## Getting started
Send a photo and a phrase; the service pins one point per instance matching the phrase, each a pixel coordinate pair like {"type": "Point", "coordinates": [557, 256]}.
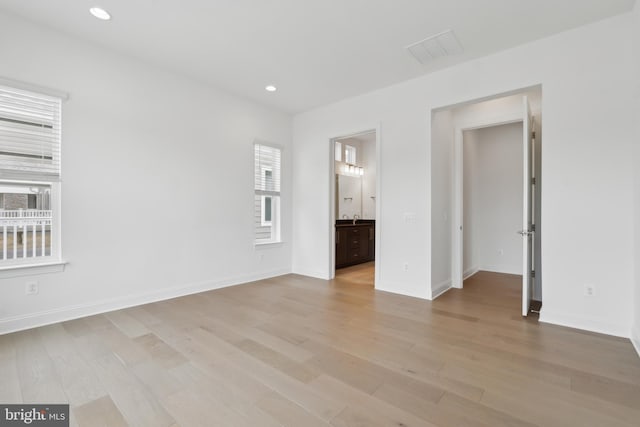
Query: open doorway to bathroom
{"type": "Point", "coordinates": [354, 207]}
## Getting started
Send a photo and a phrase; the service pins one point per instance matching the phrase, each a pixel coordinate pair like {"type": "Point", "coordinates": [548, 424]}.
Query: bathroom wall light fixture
{"type": "Point", "coordinates": [353, 170]}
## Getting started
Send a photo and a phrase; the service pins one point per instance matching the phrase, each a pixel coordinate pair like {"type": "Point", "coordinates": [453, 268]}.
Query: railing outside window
{"type": "Point", "coordinates": [25, 233]}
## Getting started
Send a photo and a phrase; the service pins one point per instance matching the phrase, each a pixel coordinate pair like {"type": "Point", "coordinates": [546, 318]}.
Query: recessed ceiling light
{"type": "Point", "coordinates": [270, 88]}
{"type": "Point", "coordinates": [100, 13]}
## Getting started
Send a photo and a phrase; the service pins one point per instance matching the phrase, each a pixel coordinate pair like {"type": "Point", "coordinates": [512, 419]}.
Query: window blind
{"type": "Point", "coordinates": [29, 135]}
{"type": "Point", "coordinates": [267, 170]}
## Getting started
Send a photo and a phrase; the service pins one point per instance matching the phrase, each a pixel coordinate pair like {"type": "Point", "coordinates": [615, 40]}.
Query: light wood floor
{"type": "Point", "coordinates": [295, 351]}
{"type": "Point", "coordinates": [357, 275]}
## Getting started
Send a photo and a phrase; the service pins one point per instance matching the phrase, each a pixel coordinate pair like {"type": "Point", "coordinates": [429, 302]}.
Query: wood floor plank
{"type": "Point", "coordinates": [162, 353]}
{"type": "Point", "coordinates": [276, 343]}
{"type": "Point", "coordinates": [612, 390]}
{"type": "Point", "coordinates": [157, 378]}
{"type": "Point", "coordinates": [480, 413]}
{"type": "Point", "coordinates": [505, 391]}
{"type": "Point", "coordinates": [39, 381]}
{"type": "Point", "coordinates": [10, 391]}
{"type": "Point", "coordinates": [128, 324]}
{"type": "Point", "coordinates": [80, 383]}
{"type": "Point", "coordinates": [288, 413]}
{"type": "Point", "coordinates": [241, 401]}
{"type": "Point", "coordinates": [367, 405]}
{"type": "Point", "coordinates": [134, 400]}
{"type": "Point", "coordinates": [298, 371]}
{"type": "Point", "coordinates": [426, 408]}
{"type": "Point", "coordinates": [355, 417]}
{"type": "Point", "coordinates": [232, 365]}
{"type": "Point", "coordinates": [101, 412]}
{"type": "Point", "coordinates": [127, 350]}
{"type": "Point", "coordinates": [190, 408]}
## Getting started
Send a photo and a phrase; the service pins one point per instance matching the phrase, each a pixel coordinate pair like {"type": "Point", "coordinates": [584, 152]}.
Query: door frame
{"type": "Point", "coordinates": [528, 217]}
{"type": "Point", "coordinates": [332, 197]}
{"type": "Point", "coordinates": [457, 233]}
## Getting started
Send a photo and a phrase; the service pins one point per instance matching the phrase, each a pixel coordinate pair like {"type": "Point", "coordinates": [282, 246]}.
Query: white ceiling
{"type": "Point", "coordinates": [314, 51]}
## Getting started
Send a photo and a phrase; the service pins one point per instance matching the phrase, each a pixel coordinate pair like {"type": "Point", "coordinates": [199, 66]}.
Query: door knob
{"type": "Point", "coordinates": [524, 232]}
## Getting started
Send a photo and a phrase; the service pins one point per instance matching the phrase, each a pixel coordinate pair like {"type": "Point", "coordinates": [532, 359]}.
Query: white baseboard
{"type": "Point", "coordinates": [440, 288]}
{"type": "Point", "coordinates": [469, 272]}
{"type": "Point", "coordinates": [404, 289]}
{"type": "Point", "coordinates": [311, 273]}
{"type": "Point", "coordinates": [583, 323]}
{"type": "Point", "coordinates": [635, 339]}
{"type": "Point", "coordinates": [505, 269]}
{"type": "Point", "coordinates": [33, 320]}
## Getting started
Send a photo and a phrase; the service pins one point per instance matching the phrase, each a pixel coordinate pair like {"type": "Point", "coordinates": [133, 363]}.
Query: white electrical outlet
{"type": "Point", "coordinates": [589, 290]}
{"type": "Point", "coordinates": [410, 217]}
{"type": "Point", "coordinates": [405, 266]}
{"type": "Point", "coordinates": [32, 288]}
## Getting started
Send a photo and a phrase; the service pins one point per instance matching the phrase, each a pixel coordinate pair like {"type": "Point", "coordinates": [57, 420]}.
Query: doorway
{"type": "Point", "coordinates": [354, 204]}
{"type": "Point", "coordinates": [490, 145]}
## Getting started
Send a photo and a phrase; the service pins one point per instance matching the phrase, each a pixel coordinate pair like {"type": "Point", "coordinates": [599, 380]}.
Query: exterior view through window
{"type": "Point", "coordinates": [30, 137]}
{"type": "Point", "coordinates": [267, 160]}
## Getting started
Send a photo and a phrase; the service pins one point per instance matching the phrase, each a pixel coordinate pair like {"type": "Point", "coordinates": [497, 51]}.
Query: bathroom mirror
{"type": "Point", "coordinates": [349, 197]}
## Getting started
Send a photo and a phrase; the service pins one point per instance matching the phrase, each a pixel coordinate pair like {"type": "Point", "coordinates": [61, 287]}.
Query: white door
{"type": "Point", "coordinates": [527, 182]}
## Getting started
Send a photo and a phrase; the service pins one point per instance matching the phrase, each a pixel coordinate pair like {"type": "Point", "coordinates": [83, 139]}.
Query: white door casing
{"type": "Point", "coordinates": [527, 182]}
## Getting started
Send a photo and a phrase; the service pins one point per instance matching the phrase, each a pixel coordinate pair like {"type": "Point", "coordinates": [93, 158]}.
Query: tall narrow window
{"type": "Point", "coordinates": [267, 160]}
{"type": "Point", "coordinates": [350, 154]}
{"type": "Point", "coordinates": [30, 134]}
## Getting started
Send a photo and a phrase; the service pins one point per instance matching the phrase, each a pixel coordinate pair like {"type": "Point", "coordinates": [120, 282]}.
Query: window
{"type": "Point", "coordinates": [267, 161]}
{"type": "Point", "coordinates": [30, 134]}
{"type": "Point", "coordinates": [266, 212]}
{"type": "Point", "coordinates": [350, 154]}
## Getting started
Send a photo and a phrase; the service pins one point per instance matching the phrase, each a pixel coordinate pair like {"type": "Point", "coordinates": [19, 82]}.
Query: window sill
{"type": "Point", "coordinates": [266, 245]}
{"type": "Point", "coordinates": [19, 270]}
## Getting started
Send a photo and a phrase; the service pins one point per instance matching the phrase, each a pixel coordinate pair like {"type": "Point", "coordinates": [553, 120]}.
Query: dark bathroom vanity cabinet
{"type": "Point", "coordinates": [355, 241]}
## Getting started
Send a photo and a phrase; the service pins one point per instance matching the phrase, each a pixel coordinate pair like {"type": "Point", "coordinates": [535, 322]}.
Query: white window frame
{"type": "Point", "coordinates": [275, 196]}
{"type": "Point", "coordinates": [39, 264]}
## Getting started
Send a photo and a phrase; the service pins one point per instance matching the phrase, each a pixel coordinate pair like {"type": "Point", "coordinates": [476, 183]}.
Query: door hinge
{"type": "Point", "coordinates": [533, 227]}
{"type": "Point", "coordinates": [533, 181]}
{"type": "Point", "coordinates": [533, 274]}
{"type": "Point", "coordinates": [533, 135]}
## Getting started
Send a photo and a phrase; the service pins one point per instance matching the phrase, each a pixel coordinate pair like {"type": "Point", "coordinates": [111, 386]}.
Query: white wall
{"type": "Point", "coordinates": [368, 150]}
{"type": "Point", "coordinates": [442, 127]}
{"type": "Point", "coordinates": [636, 38]}
{"type": "Point", "coordinates": [470, 185]}
{"type": "Point", "coordinates": [157, 192]}
{"type": "Point", "coordinates": [587, 169]}
{"type": "Point", "coordinates": [498, 110]}
{"type": "Point", "coordinates": [493, 199]}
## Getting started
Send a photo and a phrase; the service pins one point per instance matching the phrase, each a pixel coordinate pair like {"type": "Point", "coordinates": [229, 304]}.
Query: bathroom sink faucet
{"type": "Point", "coordinates": [355, 218]}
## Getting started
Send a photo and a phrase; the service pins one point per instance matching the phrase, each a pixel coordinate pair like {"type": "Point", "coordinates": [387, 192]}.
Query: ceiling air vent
{"type": "Point", "coordinates": [434, 47]}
